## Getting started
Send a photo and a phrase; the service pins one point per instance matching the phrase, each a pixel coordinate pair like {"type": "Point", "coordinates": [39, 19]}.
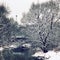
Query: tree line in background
{"type": "Point", "coordinates": [41, 25]}
{"type": "Point", "coordinates": [8, 26]}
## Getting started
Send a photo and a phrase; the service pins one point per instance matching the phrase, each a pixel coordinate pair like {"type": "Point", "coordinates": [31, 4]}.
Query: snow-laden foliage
{"type": "Point", "coordinates": [41, 23]}
{"type": "Point", "coordinates": [6, 26]}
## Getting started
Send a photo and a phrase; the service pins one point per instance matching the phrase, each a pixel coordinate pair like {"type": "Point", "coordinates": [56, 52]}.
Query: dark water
{"type": "Point", "coordinates": [19, 53]}
{"type": "Point", "coordinates": [21, 49]}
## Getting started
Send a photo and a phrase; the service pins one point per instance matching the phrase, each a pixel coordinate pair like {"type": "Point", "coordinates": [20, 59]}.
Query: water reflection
{"type": "Point", "coordinates": [14, 55]}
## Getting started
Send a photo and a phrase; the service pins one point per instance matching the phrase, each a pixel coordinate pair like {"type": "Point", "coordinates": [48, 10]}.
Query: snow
{"type": "Point", "coordinates": [37, 54]}
{"type": "Point", "coordinates": [50, 55]}
{"type": "Point", "coordinates": [12, 46]}
{"type": "Point", "coordinates": [41, 15]}
{"type": "Point", "coordinates": [1, 48]}
{"type": "Point", "coordinates": [54, 56]}
{"type": "Point", "coordinates": [27, 45]}
{"type": "Point", "coordinates": [49, 10]}
{"type": "Point", "coordinates": [6, 47]}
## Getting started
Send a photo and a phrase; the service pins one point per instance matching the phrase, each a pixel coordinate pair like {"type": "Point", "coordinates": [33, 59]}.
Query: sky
{"type": "Point", "coordinates": [18, 7]}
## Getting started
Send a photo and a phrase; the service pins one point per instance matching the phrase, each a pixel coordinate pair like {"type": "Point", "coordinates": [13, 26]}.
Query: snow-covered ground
{"type": "Point", "coordinates": [1, 48]}
{"type": "Point", "coordinates": [27, 45]}
{"type": "Point", "coordinates": [37, 54]}
{"type": "Point", "coordinates": [10, 46]}
{"type": "Point", "coordinates": [50, 55]}
{"type": "Point", "coordinates": [15, 46]}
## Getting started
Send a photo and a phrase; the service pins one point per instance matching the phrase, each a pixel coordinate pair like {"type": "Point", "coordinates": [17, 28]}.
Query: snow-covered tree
{"type": "Point", "coordinates": [7, 26]}
{"type": "Point", "coordinates": [40, 21]}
